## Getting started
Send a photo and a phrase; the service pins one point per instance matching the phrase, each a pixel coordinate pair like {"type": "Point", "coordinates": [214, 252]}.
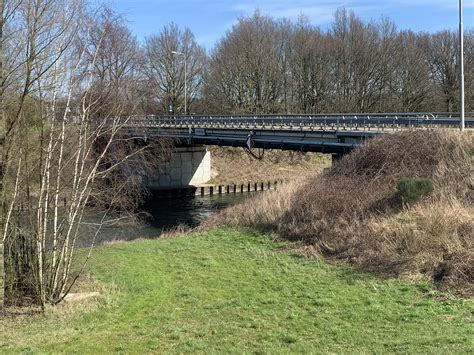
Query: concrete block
{"type": "Point", "coordinates": [186, 166]}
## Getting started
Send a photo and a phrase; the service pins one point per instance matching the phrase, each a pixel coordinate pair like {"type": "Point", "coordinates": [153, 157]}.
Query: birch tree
{"type": "Point", "coordinates": [56, 147]}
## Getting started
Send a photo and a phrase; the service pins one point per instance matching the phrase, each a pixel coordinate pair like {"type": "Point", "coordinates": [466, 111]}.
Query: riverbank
{"type": "Point", "coordinates": [236, 166]}
{"type": "Point", "coordinates": [237, 291]}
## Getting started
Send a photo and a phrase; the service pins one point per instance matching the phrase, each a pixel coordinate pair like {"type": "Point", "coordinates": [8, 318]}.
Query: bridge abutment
{"type": "Point", "coordinates": [187, 166]}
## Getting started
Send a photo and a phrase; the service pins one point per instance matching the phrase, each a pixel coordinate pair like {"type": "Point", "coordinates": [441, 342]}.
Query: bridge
{"type": "Point", "coordinates": [335, 134]}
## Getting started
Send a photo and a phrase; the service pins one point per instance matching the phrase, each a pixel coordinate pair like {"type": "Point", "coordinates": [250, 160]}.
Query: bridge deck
{"type": "Point", "coordinates": [320, 133]}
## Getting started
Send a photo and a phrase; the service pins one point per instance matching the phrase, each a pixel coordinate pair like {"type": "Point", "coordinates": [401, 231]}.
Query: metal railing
{"type": "Point", "coordinates": [382, 121]}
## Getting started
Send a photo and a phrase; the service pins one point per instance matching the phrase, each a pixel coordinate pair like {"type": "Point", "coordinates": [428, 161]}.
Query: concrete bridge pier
{"type": "Point", "coordinates": [187, 166]}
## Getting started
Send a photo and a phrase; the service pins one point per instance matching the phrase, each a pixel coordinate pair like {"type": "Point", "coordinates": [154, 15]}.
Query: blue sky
{"type": "Point", "coordinates": [209, 20]}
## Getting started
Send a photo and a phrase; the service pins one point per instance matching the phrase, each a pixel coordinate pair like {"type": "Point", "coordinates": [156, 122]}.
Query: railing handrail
{"type": "Point", "coordinates": [273, 121]}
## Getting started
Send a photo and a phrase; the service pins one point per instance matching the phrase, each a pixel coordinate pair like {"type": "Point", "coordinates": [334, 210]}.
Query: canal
{"type": "Point", "coordinates": [159, 215]}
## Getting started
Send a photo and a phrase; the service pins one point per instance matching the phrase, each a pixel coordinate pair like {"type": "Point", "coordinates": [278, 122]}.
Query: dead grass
{"type": "Point", "coordinates": [352, 212]}
{"type": "Point", "coordinates": [264, 211]}
{"type": "Point", "coordinates": [275, 165]}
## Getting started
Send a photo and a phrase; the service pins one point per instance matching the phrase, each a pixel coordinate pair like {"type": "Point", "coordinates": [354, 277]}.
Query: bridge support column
{"type": "Point", "coordinates": [186, 166]}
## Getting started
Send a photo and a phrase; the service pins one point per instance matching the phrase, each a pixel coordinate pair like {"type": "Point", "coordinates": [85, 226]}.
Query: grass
{"type": "Point", "coordinates": [353, 212]}
{"type": "Point", "coordinates": [237, 291]}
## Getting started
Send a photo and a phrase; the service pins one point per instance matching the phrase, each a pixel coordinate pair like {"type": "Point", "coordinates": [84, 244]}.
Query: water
{"type": "Point", "coordinates": [168, 213]}
{"type": "Point", "coordinates": [162, 214]}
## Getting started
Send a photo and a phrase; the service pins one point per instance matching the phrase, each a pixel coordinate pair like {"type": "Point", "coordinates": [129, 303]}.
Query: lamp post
{"type": "Point", "coordinates": [461, 69]}
{"type": "Point", "coordinates": [185, 81]}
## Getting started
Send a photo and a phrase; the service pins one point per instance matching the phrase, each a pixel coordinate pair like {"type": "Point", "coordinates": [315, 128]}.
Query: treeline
{"type": "Point", "coordinates": [267, 65]}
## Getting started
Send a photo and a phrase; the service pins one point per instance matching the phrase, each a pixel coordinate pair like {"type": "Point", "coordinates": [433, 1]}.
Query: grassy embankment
{"type": "Point", "coordinates": [241, 291]}
{"type": "Point", "coordinates": [354, 212]}
{"type": "Point", "coordinates": [235, 166]}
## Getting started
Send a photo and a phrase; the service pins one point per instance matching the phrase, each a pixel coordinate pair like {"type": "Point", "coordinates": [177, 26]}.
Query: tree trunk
{"type": "Point", "coordinates": [2, 124]}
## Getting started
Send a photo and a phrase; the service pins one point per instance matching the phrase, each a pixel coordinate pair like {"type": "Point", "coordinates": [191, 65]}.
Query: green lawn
{"type": "Point", "coordinates": [241, 292]}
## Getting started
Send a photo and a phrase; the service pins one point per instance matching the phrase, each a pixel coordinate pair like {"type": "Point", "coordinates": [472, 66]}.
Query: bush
{"type": "Point", "coordinates": [410, 190]}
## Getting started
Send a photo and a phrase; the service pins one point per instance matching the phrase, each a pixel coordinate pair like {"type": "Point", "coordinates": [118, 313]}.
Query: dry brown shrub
{"type": "Point", "coordinates": [456, 272]}
{"type": "Point", "coordinates": [263, 211]}
{"type": "Point", "coordinates": [445, 156]}
{"type": "Point", "coordinates": [353, 213]}
{"type": "Point", "coordinates": [179, 230]}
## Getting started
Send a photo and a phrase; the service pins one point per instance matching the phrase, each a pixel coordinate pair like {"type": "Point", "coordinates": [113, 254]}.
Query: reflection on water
{"type": "Point", "coordinates": [162, 214]}
{"type": "Point", "coordinates": [191, 211]}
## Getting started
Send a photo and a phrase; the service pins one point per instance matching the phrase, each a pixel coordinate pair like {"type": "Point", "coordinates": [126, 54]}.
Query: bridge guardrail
{"type": "Point", "coordinates": [309, 122]}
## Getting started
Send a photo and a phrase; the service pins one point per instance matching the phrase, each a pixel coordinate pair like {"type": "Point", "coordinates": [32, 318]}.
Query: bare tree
{"type": "Point", "coordinates": [264, 65]}
{"type": "Point", "coordinates": [442, 55]}
{"type": "Point", "coordinates": [245, 73]}
{"type": "Point", "coordinates": [115, 75]}
{"type": "Point", "coordinates": [469, 69]}
{"type": "Point", "coordinates": [57, 142]}
{"type": "Point", "coordinates": [410, 84]}
{"type": "Point", "coordinates": [358, 73]}
{"type": "Point", "coordinates": [166, 57]}
{"type": "Point", "coordinates": [311, 67]}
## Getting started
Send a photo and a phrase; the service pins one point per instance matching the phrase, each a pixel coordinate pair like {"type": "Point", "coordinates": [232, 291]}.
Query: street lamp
{"type": "Point", "coordinates": [461, 69]}
{"type": "Point", "coordinates": [185, 81]}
